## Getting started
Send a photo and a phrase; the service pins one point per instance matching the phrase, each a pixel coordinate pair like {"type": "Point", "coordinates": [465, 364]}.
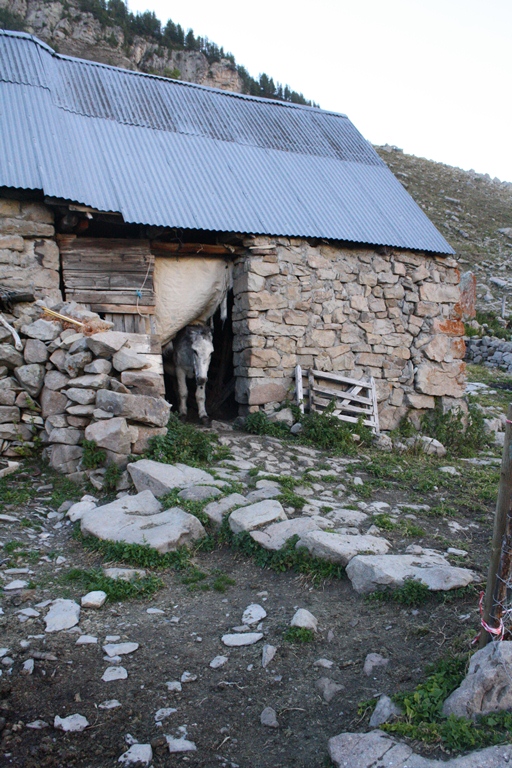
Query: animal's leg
{"type": "Point", "coordinates": [201, 399]}
{"type": "Point", "coordinates": [182, 390]}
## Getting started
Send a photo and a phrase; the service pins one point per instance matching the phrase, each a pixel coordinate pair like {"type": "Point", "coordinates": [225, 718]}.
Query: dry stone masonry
{"type": "Point", "coordinates": [64, 387]}
{"type": "Point", "coordinates": [393, 315]}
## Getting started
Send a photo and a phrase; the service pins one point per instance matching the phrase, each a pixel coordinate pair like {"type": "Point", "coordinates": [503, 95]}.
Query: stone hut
{"type": "Point", "coordinates": [111, 178]}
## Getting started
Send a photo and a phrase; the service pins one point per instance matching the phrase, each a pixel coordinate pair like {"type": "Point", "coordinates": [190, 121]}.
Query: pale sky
{"type": "Point", "coordinates": [430, 76]}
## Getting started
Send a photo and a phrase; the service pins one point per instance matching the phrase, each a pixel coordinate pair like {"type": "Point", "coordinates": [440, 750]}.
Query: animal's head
{"type": "Point", "coordinates": [202, 349]}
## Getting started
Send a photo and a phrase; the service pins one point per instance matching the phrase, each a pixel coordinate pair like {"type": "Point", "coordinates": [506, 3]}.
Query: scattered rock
{"type": "Point", "coordinates": [253, 614]}
{"type": "Point", "coordinates": [63, 614]}
{"type": "Point", "coordinates": [138, 754]}
{"type": "Point", "coordinates": [237, 640]}
{"type": "Point", "coordinates": [328, 688]}
{"type": "Point", "coordinates": [180, 745]}
{"type": "Point", "coordinates": [114, 673]}
{"type": "Point", "coordinates": [303, 618]}
{"type": "Point", "coordinates": [124, 574]}
{"type": "Point", "coordinates": [384, 711]}
{"type": "Point", "coordinates": [218, 661]}
{"type": "Point", "coordinates": [372, 662]}
{"type": "Point", "coordinates": [269, 718]}
{"type": "Point", "coordinates": [163, 714]}
{"type": "Point", "coordinates": [267, 654]}
{"type": "Point", "coordinates": [120, 649]}
{"type": "Point", "coordinates": [110, 704]}
{"type": "Point", "coordinates": [72, 723]}
{"type": "Point", "coordinates": [324, 663]}
{"type": "Point", "coordinates": [199, 493]}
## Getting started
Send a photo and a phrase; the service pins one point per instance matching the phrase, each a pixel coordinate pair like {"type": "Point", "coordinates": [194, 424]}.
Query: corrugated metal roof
{"type": "Point", "coordinates": [175, 154]}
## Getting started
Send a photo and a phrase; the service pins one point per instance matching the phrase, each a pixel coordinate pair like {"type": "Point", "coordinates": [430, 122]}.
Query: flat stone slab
{"type": "Point", "coordinates": [239, 639]}
{"type": "Point", "coordinates": [94, 599]}
{"type": "Point", "coordinates": [339, 548]}
{"type": "Point", "coordinates": [256, 516]}
{"type": "Point", "coordinates": [139, 520]}
{"type": "Point", "coordinates": [162, 478]}
{"type": "Point", "coordinates": [199, 493]}
{"type": "Point", "coordinates": [277, 534]}
{"type": "Point", "coordinates": [369, 572]}
{"type": "Point", "coordinates": [138, 754]}
{"type": "Point", "coordinates": [72, 723]}
{"type": "Point", "coordinates": [63, 614]}
{"type": "Point", "coordinates": [120, 649]}
{"type": "Point", "coordinates": [378, 750]}
{"type": "Point", "coordinates": [114, 673]}
{"type": "Point", "coordinates": [346, 516]}
{"type": "Point", "coordinates": [253, 614]}
{"type": "Point", "coordinates": [217, 509]}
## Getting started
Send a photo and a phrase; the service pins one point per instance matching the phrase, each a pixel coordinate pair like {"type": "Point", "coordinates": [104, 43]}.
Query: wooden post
{"type": "Point", "coordinates": [299, 390]}
{"type": "Point", "coordinates": [499, 566]}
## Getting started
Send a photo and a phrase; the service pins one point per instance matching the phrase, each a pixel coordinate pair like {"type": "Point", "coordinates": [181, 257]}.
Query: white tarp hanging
{"type": "Point", "coordinates": [188, 288]}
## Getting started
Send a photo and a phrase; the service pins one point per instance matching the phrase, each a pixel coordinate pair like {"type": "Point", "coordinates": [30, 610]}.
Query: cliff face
{"type": "Point", "coordinates": [73, 32]}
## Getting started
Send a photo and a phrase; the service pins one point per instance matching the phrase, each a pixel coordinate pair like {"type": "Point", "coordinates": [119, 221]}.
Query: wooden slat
{"type": "Point", "coordinates": [336, 377]}
{"type": "Point", "coordinates": [207, 249]}
{"type": "Point", "coordinates": [128, 309]}
{"type": "Point", "coordinates": [110, 297]}
{"type": "Point", "coordinates": [299, 390]}
{"type": "Point", "coordinates": [339, 394]}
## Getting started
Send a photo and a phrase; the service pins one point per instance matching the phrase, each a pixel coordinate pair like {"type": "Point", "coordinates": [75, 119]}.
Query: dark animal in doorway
{"type": "Point", "coordinates": [192, 350]}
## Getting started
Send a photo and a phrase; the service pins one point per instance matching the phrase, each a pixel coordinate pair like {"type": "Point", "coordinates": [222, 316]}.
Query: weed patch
{"type": "Point", "coordinates": [92, 456]}
{"type": "Point", "coordinates": [458, 439]}
{"type": "Point", "coordinates": [423, 719]}
{"type": "Point", "coordinates": [412, 593]}
{"type": "Point", "coordinates": [115, 589]}
{"type": "Point", "coordinates": [298, 635]}
{"type": "Point", "coordinates": [186, 444]}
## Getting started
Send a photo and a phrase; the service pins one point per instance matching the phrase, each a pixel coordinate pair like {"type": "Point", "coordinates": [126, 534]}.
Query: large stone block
{"type": "Point", "coordinates": [467, 303]}
{"type": "Point", "coordinates": [256, 516]}
{"type": "Point", "coordinates": [321, 338]}
{"type": "Point", "coordinates": [112, 434]}
{"type": "Point", "coordinates": [107, 343]}
{"type": "Point", "coordinates": [440, 293]}
{"type": "Point", "coordinates": [35, 351]}
{"type": "Point", "coordinates": [148, 410]}
{"type": "Point", "coordinates": [26, 228]}
{"type": "Point", "coordinates": [144, 382]}
{"type": "Point", "coordinates": [10, 357]}
{"type": "Point", "coordinates": [161, 478]}
{"type": "Point", "coordinates": [9, 413]}
{"type": "Point", "coordinates": [441, 379]}
{"type": "Point", "coordinates": [141, 445]}
{"type": "Point", "coordinates": [338, 548]}
{"type": "Point", "coordinates": [30, 377]}
{"type": "Point", "coordinates": [259, 391]}
{"type": "Point", "coordinates": [52, 402]}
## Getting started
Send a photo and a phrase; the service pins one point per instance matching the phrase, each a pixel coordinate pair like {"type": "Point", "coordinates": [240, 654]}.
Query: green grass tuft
{"type": "Point", "coordinates": [299, 635]}
{"type": "Point", "coordinates": [116, 589]}
{"type": "Point", "coordinates": [186, 444]}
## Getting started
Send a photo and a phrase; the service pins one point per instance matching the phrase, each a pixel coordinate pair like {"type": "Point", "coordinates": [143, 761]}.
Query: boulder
{"type": "Point", "coordinates": [127, 359]}
{"type": "Point", "coordinates": [256, 516]}
{"type": "Point", "coordinates": [139, 520]}
{"type": "Point", "coordinates": [65, 458]}
{"type": "Point", "coordinates": [275, 536]}
{"type": "Point", "coordinates": [144, 382]}
{"type": "Point", "coordinates": [106, 343]}
{"type": "Point", "coordinates": [55, 380]}
{"type": "Point", "coordinates": [81, 396]}
{"type": "Point", "coordinates": [487, 686]}
{"type": "Point", "coordinates": [149, 410]}
{"type": "Point", "coordinates": [9, 413]}
{"type": "Point", "coordinates": [30, 377]}
{"type": "Point", "coordinates": [285, 416]}
{"type": "Point", "coordinates": [339, 548]}
{"type": "Point", "coordinates": [44, 330]}
{"type": "Point", "coordinates": [304, 619]}
{"type": "Point", "coordinates": [35, 351]}
{"type": "Point", "coordinates": [370, 572]}
{"type": "Point", "coordinates": [384, 711]}
{"type": "Point", "coordinates": [91, 381]}
{"type": "Point", "coordinates": [141, 445]}
{"type": "Point", "coordinates": [113, 434]}
{"type": "Point", "coordinates": [98, 366]}
{"type": "Point", "coordinates": [162, 478]}
{"type": "Point", "coordinates": [10, 357]}
{"type": "Point", "coordinates": [428, 445]}
{"type": "Point", "coordinates": [52, 402]}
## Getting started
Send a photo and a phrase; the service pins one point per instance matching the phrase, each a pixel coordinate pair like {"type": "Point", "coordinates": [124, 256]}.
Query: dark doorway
{"type": "Point", "coordinates": [220, 389]}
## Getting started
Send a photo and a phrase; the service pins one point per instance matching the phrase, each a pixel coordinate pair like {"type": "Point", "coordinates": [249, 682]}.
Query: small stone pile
{"type": "Point", "coordinates": [489, 351]}
{"type": "Point", "coordinates": [64, 387]}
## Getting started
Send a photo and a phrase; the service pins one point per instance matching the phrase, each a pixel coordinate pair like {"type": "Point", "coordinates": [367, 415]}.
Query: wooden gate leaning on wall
{"type": "Point", "coordinates": [112, 276]}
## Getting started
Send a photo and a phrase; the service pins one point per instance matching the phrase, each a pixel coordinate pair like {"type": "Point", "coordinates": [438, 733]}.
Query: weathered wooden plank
{"type": "Point", "coordinates": [110, 297]}
{"type": "Point", "coordinates": [127, 309]}
{"type": "Point", "coordinates": [105, 281]}
{"type": "Point", "coordinates": [338, 376]}
{"type": "Point", "coordinates": [340, 395]}
{"type": "Point", "coordinates": [299, 389]}
{"type": "Point", "coordinates": [207, 249]}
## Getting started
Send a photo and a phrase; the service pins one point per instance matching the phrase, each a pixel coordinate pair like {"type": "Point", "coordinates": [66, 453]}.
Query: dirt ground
{"type": "Point", "coordinates": [220, 710]}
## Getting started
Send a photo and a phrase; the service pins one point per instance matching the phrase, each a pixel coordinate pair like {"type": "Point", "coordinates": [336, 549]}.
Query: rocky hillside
{"type": "Point", "coordinates": [473, 211]}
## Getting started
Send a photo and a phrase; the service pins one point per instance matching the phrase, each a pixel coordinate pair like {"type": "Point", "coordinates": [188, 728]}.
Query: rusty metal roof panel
{"type": "Point", "coordinates": [174, 154]}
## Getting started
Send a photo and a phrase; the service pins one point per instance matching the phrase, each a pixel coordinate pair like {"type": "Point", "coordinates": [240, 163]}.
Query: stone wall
{"type": "Point", "coordinates": [495, 353]}
{"type": "Point", "coordinates": [393, 315]}
{"type": "Point", "coordinates": [64, 386]}
{"type": "Point", "coordinates": [29, 255]}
